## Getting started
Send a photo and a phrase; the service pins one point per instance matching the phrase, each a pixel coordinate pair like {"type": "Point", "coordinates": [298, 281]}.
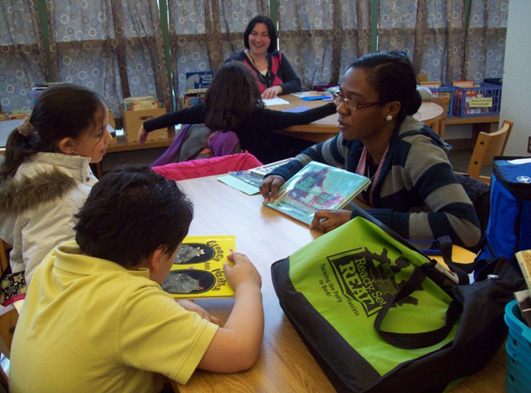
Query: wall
{"type": "Point", "coordinates": [516, 91]}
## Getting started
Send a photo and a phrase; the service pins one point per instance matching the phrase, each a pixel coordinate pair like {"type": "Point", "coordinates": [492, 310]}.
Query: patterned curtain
{"type": "Point", "coordinates": [431, 32]}
{"type": "Point", "coordinates": [22, 55]}
{"type": "Point", "coordinates": [487, 28]}
{"type": "Point", "coordinates": [321, 38]}
{"type": "Point", "coordinates": [204, 33]}
{"type": "Point", "coordinates": [112, 47]}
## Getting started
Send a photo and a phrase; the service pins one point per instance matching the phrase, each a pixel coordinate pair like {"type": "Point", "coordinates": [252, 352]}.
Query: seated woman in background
{"type": "Point", "coordinates": [271, 68]}
{"type": "Point", "coordinates": [233, 103]}
{"type": "Point", "coordinates": [413, 190]}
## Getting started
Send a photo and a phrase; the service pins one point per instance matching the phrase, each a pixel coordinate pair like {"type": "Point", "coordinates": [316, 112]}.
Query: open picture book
{"type": "Point", "coordinates": [315, 187]}
{"type": "Point", "coordinates": [197, 270]}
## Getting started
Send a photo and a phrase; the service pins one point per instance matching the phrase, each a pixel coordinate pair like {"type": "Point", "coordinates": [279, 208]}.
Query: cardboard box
{"type": "Point", "coordinates": [111, 127]}
{"type": "Point", "coordinates": [132, 120]}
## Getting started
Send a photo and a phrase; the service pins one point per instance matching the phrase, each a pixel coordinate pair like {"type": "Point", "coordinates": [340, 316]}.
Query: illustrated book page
{"type": "Point", "coordinates": [315, 187]}
{"type": "Point", "coordinates": [197, 270]}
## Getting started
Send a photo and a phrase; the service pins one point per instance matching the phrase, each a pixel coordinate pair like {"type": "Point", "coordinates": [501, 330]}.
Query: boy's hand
{"type": "Point", "coordinates": [190, 305]}
{"type": "Point", "coordinates": [243, 272]}
{"type": "Point", "coordinates": [269, 187]}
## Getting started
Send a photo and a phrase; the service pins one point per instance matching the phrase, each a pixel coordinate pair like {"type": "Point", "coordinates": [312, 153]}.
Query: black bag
{"type": "Point", "coordinates": [437, 360]}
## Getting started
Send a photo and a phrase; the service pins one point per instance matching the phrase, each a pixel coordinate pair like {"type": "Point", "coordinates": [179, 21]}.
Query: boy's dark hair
{"type": "Point", "coordinates": [131, 212]}
{"type": "Point", "coordinates": [270, 28]}
{"type": "Point", "coordinates": [231, 97]}
{"type": "Point", "coordinates": [393, 77]}
{"type": "Point", "coordinates": [61, 111]}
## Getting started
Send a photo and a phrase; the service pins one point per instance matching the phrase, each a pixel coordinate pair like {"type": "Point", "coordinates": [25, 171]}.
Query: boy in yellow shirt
{"type": "Point", "coordinates": [95, 318]}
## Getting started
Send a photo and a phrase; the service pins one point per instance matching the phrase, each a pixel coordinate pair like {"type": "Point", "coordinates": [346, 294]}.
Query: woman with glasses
{"type": "Point", "coordinates": [272, 70]}
{"type": "Point", "coordinates": [413, 188]}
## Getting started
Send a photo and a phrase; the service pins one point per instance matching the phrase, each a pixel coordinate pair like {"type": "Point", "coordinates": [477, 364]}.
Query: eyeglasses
{"type": "Point", "coordinates": [353, 105]}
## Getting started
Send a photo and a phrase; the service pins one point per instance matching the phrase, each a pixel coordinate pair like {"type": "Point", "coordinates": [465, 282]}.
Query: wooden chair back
{"type": "Point", "coordinates": [8, 321]}
{"type": "Point", "coordinates": [487, 146]}
{"type": "Point", "coordinates": [4, 255]}
{"type": "Point", "coordinates": [438, 126]}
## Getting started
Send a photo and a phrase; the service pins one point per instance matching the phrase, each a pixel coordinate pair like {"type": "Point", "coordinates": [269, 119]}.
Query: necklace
{"type": "Point", "coordinates": [362, 168]}
{"type": "Point", "coordinates": [254, 62]}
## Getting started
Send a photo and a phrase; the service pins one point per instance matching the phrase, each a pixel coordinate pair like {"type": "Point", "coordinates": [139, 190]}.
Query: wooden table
{"type": "Point", "coordinates": [285, 364]}
{"type": "Point", "coordinates": [325, 128]}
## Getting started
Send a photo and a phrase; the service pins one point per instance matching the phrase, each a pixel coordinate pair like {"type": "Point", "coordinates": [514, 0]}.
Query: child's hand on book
{"type": "Point", "coordinates": [241, 272]}
{"type": "Point", "coordinates": [270, 186]}
{"type": "Point", "coordinates": [326, 220]}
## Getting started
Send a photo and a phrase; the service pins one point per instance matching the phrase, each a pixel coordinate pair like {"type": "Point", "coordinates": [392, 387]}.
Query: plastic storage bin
{"type": "Point", "coordinates": [445, 90]}
{"type": "Point", "coordinates": [518, 375]}
{"type": "Point", "coordinates": [482, 100]}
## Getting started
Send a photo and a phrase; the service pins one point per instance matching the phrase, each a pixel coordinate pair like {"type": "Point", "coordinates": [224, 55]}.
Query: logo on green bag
{"type": "Point", "coordinates": [368, 278]}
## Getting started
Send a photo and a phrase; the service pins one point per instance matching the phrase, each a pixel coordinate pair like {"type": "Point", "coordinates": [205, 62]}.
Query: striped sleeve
{"type": "Point", "coordinates": [449, 210]}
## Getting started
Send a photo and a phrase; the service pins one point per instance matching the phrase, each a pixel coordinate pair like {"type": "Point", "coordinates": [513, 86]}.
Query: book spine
{"type": "Point", "coordinates": [524, 260]}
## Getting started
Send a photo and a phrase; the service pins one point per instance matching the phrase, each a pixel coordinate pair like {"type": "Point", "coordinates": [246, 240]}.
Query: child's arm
{"type": "Point", "coordinates": [190, 305]}
{"type": "Point", "coordinates": [236, 345]}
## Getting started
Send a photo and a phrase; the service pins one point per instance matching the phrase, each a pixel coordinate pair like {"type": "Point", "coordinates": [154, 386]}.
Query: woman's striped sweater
{"type": "Point", "coordinates": [417, 194]}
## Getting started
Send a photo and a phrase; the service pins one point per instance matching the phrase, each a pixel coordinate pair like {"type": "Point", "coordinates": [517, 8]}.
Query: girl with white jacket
{"type": "Point", "coordinates": [46, 177]}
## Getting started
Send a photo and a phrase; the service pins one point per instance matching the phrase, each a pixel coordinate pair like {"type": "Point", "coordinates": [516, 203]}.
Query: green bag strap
{"type": "Point", "coordinates": [415, 340]}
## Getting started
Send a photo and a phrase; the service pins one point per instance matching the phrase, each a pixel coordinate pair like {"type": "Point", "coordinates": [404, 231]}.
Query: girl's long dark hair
{"type": "Point", "coordinates": [231, 97]}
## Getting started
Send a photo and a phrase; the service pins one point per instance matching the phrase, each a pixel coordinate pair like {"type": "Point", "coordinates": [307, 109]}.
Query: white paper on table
{"type": "Point", "coordinates": [275, 101]}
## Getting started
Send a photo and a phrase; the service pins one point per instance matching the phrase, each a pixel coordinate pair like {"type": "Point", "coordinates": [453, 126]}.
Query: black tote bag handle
{"type": "Point", "coordinates": [415, 340]}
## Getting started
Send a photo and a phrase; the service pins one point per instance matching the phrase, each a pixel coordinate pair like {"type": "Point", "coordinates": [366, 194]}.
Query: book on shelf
{"type": "Point", "coordinates": [524, 261]}
{"type": "Point", "coordinates": [197, 270]}
{"type": "Point", "coordinates": [315, 187]}
{"type": "Point", "coordinates": [140, 103]}
{"type": "Point", "coordinates": [523, 298]}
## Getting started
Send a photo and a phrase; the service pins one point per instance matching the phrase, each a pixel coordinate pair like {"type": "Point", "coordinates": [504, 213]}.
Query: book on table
{"type": "Point", "coordinates": [316, 187]}
{"type": "Point", "coordinates": [197, 270]}
{"type": "Point", "coordinates": [249, 181]}
{"type": "Point", "coordinates": [312, 95]}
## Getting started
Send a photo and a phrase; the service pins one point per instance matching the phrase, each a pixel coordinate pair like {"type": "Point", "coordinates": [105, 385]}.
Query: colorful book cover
{"type": "Point", "coordinates": [198, 268]}
{"type": "Point", "coordinates": [315, 187]}
{"type": "Point", "coordinates": [524, 260]}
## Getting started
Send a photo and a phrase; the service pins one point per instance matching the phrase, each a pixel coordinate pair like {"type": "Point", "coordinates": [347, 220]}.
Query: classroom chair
{"type": "Point", "coordinates": [487, 146]}
{"type": "Point", "coordinates": [438, 125]}
{"type": "Point", "coordinates": [207, 166]}
{"type": "Point", "coordinates": [4, 256]}
{"type": "Point", "coordinates": [8, 321]}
